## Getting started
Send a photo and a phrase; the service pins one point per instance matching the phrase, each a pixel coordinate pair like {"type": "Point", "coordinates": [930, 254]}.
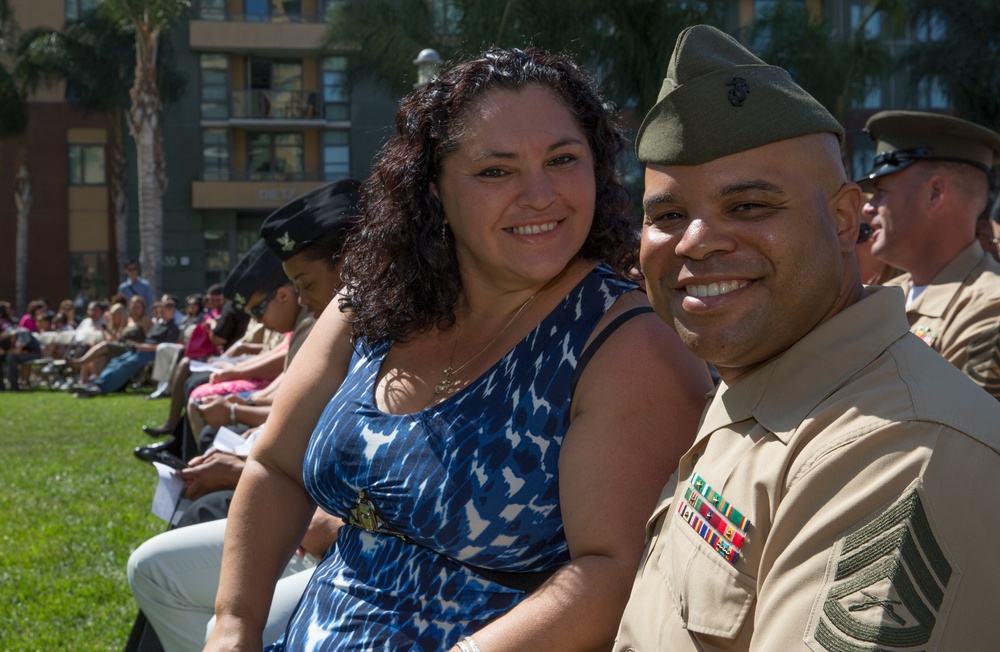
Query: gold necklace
{"type": "Point", "coordinates": [444, 387]}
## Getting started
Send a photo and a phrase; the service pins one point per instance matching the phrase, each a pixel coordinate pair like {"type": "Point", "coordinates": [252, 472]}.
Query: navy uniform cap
{"type": "Point", "coordinates": [259, 270]}
{"type": "Point", "coordinates": [905, 137]}
{"type": "Point", "coordinates": [322, 216]}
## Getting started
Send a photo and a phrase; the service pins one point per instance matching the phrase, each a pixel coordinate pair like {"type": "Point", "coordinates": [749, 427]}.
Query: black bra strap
{"type": "Point", "coordinates": [599, 340]}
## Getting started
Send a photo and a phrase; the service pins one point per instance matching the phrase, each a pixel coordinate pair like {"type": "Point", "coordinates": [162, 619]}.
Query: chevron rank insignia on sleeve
{"type": "Point", "coordinates": [891, 584]}
{"type": "Point", "coordinates": [983, 364]}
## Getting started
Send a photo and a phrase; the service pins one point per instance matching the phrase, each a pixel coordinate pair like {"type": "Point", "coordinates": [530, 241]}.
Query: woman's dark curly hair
{"type": "Point", "coordinates": [401, 268]}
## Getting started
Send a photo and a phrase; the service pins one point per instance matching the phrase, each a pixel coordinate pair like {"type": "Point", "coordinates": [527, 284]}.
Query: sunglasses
{"type": "Point", "coordinates": [865, 232]}
{"type": "Point", "coordinates": [258, 311]}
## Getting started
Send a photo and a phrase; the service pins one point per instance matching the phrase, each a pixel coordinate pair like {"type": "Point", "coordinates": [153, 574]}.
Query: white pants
{"type": "Point", "coordinates": [174, 577]}
{"type": "Point", "coordinates": [167, 356]}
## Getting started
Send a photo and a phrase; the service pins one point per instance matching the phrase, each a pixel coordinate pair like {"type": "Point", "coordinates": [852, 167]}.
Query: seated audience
{"type": "Point", "coordinates": [18, 345]}
{"type": "Point", "coordinates": [120, 369]}
{"type": "Point", "coordinates": [7, 318]}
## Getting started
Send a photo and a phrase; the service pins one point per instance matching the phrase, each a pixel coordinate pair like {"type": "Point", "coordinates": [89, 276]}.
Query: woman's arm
{"type": "Point", "coordinates": [262, 365]}
{"type": "Point", "coordinates": [271, 510]}
{"type": "Point", "coordinates": [635, 412]}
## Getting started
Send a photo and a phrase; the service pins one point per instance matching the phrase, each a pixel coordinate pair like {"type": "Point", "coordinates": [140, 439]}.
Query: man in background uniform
{"type": "Point", "coordinates": [929, 185]}
{"type": "Point", "coordinates": [842, 488]}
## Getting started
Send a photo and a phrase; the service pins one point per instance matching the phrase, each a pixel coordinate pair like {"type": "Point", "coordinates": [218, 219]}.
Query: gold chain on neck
{"type": "Point", "coordinates": [444, 387]}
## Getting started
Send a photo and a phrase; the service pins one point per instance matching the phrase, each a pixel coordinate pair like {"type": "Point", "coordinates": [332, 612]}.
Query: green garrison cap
{"type": "Point", "coordinates": [905, 137]}
{"type": "Point", "coordinates": [719, 99]}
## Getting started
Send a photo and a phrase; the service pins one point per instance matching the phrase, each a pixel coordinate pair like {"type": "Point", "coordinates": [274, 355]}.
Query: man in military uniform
{"type": "Point", "coordinates": [842, 489]}
{"type": "Point", "coordinates": [929, 184]}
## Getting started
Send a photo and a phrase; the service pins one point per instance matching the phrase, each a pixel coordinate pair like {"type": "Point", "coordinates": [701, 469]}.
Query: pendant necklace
{"type": "Point", "coordinates": [444, 387]}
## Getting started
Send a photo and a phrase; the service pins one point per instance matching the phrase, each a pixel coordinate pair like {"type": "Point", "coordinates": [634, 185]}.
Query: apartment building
{"type": "Point", "coordinates": [266, 115]}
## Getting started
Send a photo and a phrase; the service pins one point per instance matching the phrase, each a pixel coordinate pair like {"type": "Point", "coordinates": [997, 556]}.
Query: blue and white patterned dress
{"type": "Point", "coordinates": [474, 478]}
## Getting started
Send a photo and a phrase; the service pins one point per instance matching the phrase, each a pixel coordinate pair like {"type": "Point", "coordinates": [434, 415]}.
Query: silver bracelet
{"type": "Point", "coordinates": [470, 643]}
{"type": "Point", "coordinates": [463, 646]}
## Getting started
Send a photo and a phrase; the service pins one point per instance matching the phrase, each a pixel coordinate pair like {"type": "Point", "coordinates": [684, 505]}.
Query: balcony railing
{"type": "Point", "coordinates": [277, 105]}
{"type": "Point", "coordinates": [221, 15]}
{"type": "Point", "coordinates": [270, 175]}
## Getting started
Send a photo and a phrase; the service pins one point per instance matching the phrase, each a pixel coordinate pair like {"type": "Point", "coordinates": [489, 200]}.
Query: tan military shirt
{"type": "Point", "coordinates": [844, 497]}
{"type": "Point", "coordinates": [958, 315]}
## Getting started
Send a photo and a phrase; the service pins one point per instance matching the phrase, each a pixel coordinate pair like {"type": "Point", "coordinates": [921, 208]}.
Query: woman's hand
{"type": "Point", "coordinates": [214, 471]}
{"type": "Point", "coordinates": [215, 411]}
{"type": "Point", "coordinates": [322, 533]}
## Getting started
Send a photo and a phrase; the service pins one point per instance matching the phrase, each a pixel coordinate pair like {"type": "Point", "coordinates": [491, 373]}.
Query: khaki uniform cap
{"type": "Point", "coordinates": [905, 137]}
{"type": "Point", "coordinates": [719, 99]}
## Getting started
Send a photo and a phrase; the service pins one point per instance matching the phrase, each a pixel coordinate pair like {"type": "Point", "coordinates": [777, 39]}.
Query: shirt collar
{"type": "Point", "coordinates": [782, 393]}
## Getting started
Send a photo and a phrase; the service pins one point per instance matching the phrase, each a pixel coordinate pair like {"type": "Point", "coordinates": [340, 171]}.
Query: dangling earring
{"type": "Point", "coordinates": [444, 230]}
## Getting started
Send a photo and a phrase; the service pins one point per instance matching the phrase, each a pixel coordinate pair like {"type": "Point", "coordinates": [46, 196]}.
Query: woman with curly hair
{"type": "Point", "coordinates": [492, 408]}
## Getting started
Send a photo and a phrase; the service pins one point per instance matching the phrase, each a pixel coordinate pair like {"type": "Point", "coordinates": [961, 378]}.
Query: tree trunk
{"type": "Point", "coordinates": [144, 127]}
{"type": "Point", "coordinates": [119, 196]}
{"type": "Point", "coordinates": [23, 198]}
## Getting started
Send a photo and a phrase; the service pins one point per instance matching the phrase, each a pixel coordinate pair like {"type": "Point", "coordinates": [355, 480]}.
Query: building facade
{"type": "Point", "coordinates": [267, 115]}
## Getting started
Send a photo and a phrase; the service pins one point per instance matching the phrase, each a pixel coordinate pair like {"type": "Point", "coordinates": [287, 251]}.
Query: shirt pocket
{"type": "Point", "coordinates": [710, 595]}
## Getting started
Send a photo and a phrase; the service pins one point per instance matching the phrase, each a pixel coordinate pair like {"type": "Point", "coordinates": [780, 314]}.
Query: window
{"type": "Point", "coordinates": [212, 10]}
{"type": "Point", "coordinates": [873, 28]}
{"type": "Point", "coordinates": [214, 86]}
{"type": "Point", "coordinates": [447, 16]}
{"type": "Point", "coordinates": [931, 94]}
{"type": "Point", "coordinates": [873, 100]}
{"type": "Point", "coordinates": [86, 165]}
{"type": "Point", "coordinates": [88, 275]}
{"type": "Point", "coordinates": [77, 8]}
{"type": "Point", "coordinates": [763, 8]}
{"type": "Point", "coordinates": [931, 28]}
{"type": "Point", "coordinates": [218, 255]}
{"type": "Point", "coordinates": [862, 155]}
{"type": "Point", "coordinates": [281, 11]}
{"type": "Point", "coordinates": [336, 154]}
{"type": "Point", "coordinates": [215, 155]}
{"type": "Point", "coordinates": [336, 100]}
{"type": "Point", "coordinates": [276, 156]}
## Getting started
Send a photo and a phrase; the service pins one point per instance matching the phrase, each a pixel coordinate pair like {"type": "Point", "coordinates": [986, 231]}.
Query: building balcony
{"type": "Point", "coordinates": [276, 105]}
{"type": "Point", "coordinates": [257, 34]}
{"type": "Point", "coordinates": [265, 110]}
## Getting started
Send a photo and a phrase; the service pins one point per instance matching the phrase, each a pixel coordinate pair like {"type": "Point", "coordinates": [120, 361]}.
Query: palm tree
{"type": "Point", "coordinates": [962, 51]}
{"type": "Point", "coordinates": [839, 70]}
{"type": "Point", "coordinates": [14, 124]}
{"type": "Point", "coordinates": [96, 62]}
{"type": "Point", "coordinates": [609, 37]}
{"type": "Point", "coordinates": [146, 21]}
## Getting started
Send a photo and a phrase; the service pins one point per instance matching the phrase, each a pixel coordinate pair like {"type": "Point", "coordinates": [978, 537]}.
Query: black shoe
{"type": "Point", "coordinates": [152, 452]}
{"type": "Point", "coordinates": [156, 432]}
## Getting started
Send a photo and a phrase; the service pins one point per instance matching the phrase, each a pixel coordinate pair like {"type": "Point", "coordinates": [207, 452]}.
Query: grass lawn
{"type": "Point", "coordinates": [74, 503]}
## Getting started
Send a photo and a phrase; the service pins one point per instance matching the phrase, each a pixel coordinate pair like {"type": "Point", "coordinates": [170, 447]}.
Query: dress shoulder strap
{"type": "Point", "coordinates": [600, 339]}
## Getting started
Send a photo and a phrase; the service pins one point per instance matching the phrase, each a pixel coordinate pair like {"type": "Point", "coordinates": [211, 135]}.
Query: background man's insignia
{"type": "Point", "coordinates": [889, 584]}
{"type": "Point", "coordinates": [926, 334]}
